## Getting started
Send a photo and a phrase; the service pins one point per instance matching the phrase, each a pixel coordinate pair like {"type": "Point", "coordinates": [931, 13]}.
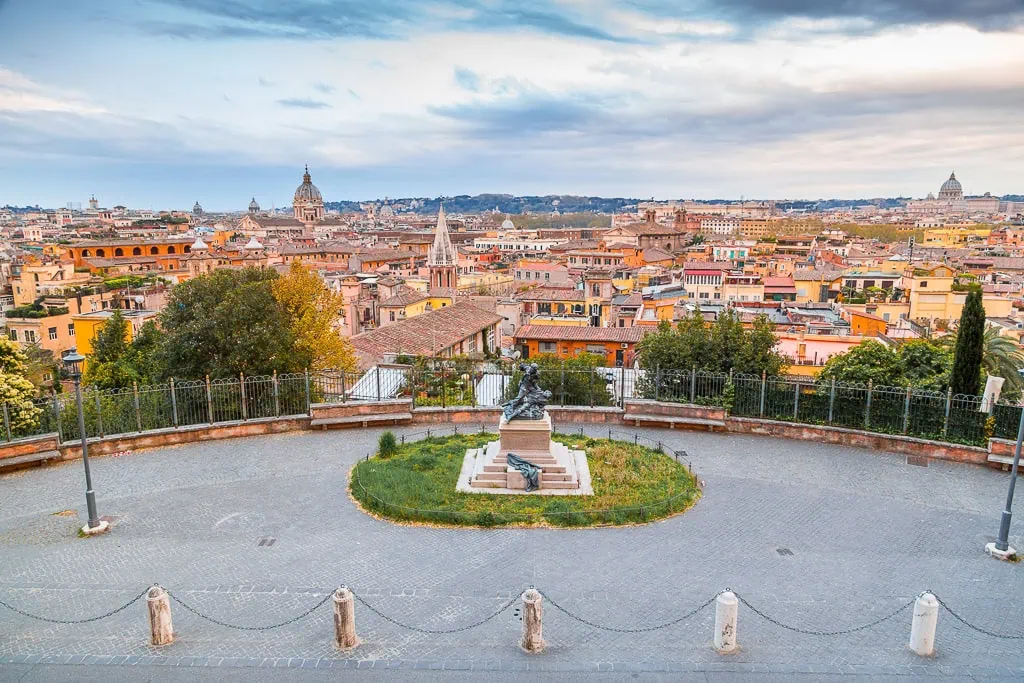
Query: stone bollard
{"type": "Point", "coordinates": [922, 628]}
{"type": "Point", "coordinates": [160, 628]}
{"type": "Point", "coordinates": [726, 612]}
{"type": "Point", "coordinates": [345, 619]}
{"type": "Point", "coordinates": [533, 616]}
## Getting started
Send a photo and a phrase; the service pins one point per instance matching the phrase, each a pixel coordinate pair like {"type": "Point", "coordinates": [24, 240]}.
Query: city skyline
{"type": "Point", "coordinates": [158, 104]}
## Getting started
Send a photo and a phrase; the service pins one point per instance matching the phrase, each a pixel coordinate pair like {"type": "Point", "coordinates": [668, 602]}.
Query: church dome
{"type": "Point", "coordinates": [199, 244]}
{"type": "Point", "coordinates": [253, 206]}
{"type": "Point", "coordinates": [507, 224]}
{"type": "Point", "coordinates": [307, 192]}
{"type": "Point", "coordinates": [951, 189]}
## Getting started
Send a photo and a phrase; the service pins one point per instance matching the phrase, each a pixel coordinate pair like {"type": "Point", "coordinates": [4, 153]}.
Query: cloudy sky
{"type": "Point", "coordinates": [158, 103]}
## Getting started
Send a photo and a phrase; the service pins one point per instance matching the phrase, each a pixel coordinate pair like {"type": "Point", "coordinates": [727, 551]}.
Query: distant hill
{"type": "Point", "coordinates": [504, 203]}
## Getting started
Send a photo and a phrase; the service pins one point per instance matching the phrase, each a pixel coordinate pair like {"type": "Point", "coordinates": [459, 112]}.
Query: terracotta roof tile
{"type": "Point", "coordinates": [569, 333]}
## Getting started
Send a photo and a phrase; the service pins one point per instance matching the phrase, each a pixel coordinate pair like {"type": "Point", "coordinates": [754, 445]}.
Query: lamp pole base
{"type": "Point", "coordinates": [1008, 555]}
{"type": "Point", "coordinates": [101, 528]}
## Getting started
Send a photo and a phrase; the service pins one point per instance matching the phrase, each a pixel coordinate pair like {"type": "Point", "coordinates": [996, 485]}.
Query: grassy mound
{"type": "Point", "coordinates": [417, 483]}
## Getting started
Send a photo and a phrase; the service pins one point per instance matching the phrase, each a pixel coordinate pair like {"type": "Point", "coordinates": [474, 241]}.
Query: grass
{"type": "Point", "coordinates": [632, 484]}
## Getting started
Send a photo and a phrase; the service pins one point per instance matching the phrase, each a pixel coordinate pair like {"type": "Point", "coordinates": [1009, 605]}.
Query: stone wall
{"type": "Point", "coordinates": [567, 415]}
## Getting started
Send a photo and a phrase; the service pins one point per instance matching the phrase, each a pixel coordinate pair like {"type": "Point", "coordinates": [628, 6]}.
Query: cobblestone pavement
{"type": "Point", "coordinates": [819, 537]}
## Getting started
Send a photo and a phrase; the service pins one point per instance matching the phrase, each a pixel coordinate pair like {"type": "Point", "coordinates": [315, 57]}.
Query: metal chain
{"type": "Point", "coordinates": [249, 628]}
{"type": "Point", "coordinates": [77, 621]}
{"type": "Point", "coordinates": [435, 631]}
{"type": "Point", "coordinates": [812, 632]}
{"type": "Point", "coordinates": [972, 626]}
{"type": "Point", "coordinates": [629, 630]}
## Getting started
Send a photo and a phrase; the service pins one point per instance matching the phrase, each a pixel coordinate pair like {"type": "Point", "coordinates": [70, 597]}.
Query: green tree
{"type": "Point", "coordinates": [1002, 358]}
{"type": "Point", "coordinates": [970, 347]}
{"type": "Point", "coordinates": [225, 323]}
{"type": "Point", "coordinates": [924, 365]}
{"type": "Point", "coordinates": [869, 360]}
{"type": "Point", "coordinates": [759, 352]}
{"type": "Point", "coordinates": [16, 390]}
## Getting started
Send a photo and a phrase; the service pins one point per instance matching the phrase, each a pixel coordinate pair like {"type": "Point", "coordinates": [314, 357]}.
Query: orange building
{"type": "Point", "coordinates": [616, 344]}
{"type": "Point", "coordinates": [113, 250]}
{"type": "Point", "coordinates": [865, 324]}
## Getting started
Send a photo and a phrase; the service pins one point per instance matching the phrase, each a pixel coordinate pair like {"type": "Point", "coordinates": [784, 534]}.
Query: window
{"type": "Point", "coordinates": [30, 336]}
{"type": "Point", "coordinates": [595, 289]}
{"type": "Point", "coordinates": [547, 276]}
{"type": "Point", "coordinates": [13, 334]}
{"type": "Point", "coordinates": [71, 329]}
{"type": "Point", "coordinates": [472, 344]}
{"type": "Point", "coordinates": [885, 317]}
{"type": "Point", "coordinates": [718, 295]}
{"type": "Point", "coordinates": [548, 347]}
{"type": "Point", "coordinates": [596, 348]}
{"type": "Point", "coordinates": [391, 316]}
{"type": "Point", "coordinates": [703, 295]}
{"type": "Point", "coordinates": [924, 284]}
{"type": "Point", "coordinates": [52, 333]}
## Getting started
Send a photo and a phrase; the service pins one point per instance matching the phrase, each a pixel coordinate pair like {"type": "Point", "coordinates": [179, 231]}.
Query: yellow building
{"type": "Point", "coordinates": [954, 237]}
{"type": "Point", "coordinates": [87, 325]}
{"type": "Point", "coordinates": [408, 303]}
{"type": "Point", "coordinates": [931, 296]}
{"type": "Point", "coordinates": [45, 279]}
{"type": "Point", "coordinates": [470, 282]}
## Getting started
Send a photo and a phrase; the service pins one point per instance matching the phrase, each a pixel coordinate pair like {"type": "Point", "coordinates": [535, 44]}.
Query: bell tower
{"type": "Point", "coordinates": [442, 259]}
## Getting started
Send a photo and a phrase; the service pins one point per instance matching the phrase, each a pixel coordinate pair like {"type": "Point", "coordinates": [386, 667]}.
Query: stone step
{"type": "Point", "coordinates": [491, 476]}
{"type": "Point", "coordinates": [485, 484]}
{"type": "Point", "coordinates": [557, 477]}
{"type": "Point", "coordinates": [546, 469]}
{"type": "Point", "coordinates": [559, 485]}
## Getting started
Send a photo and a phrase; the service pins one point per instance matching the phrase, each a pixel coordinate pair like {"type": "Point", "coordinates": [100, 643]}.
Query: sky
{"type": "Point", "coordinates": [161, 103]}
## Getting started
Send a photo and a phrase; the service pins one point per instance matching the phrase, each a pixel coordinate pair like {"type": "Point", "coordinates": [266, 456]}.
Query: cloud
{"type": "Point", "coordinates": [304, 103]}
{"type": "Point", "coordinates": [264, 82]}
{"type": "Point", "coordinates": [982, 14]}
{"type": "Point", "coordinates": [381, 19]}
{"type": "Point", "coordinates": [354, 94]}
{"type": "Point", "coordinates": [324, 88]}
{"type": "Point", "coordinates": [467, 79]}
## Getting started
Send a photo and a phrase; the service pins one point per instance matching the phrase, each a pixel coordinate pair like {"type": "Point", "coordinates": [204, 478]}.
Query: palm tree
{"type": "Point", "coordinates": [1002, 357]}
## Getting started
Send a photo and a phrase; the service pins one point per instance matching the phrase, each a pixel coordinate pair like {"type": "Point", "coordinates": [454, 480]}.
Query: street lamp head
{"type": "Point", "coordinates": [73, 363]}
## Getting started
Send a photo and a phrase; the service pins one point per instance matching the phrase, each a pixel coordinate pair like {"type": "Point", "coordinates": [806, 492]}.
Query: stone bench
{"type": "Point", "coordinates": [28, 451]}
{"type": "Point", "coordinates": [363, 420]}
{"type": "Point", "coordinates": [393, 411]}
{"type": "Point", "coordinates": [640, 411]}
{"type": "Point", "coordinates": [1000, 453]}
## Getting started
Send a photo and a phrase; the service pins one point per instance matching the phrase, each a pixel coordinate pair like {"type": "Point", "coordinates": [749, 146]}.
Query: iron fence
{"type": "Point", "coordinates": [884, 409]}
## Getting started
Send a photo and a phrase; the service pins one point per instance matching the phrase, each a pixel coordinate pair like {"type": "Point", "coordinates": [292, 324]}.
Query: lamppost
{"type": "Point", "coordinates": [73, 364]}
{"type": "Point", "coordinates": [1001, 548]}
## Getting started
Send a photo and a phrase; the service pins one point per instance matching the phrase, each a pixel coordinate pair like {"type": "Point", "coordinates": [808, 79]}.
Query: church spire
{"type": "Point", "coordinates": [442, 253]}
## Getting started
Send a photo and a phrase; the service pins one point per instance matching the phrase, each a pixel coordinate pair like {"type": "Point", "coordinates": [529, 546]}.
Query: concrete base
{"type": "Point", "coordinates": [1008, 555]}
{"type": "Point", "coordinates": [477, 457]}
{"type": "Point", "coordinates": [103, 528]}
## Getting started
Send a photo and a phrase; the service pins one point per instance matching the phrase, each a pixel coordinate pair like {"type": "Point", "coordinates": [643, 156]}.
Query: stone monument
{"type": "Point", "coordinates": [524, 459]}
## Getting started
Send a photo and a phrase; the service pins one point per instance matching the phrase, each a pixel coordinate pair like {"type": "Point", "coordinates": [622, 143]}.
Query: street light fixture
{"type": "Point", "coordinates": [1001, 548]}
{"type": "Point", "coordinates": [73, 364]}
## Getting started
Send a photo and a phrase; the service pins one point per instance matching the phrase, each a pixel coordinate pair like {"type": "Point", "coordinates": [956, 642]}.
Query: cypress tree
{"type": "Point", "coordinates": [970, 347]}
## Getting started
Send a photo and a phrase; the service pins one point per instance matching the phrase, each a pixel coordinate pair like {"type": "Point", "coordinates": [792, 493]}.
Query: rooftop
{"type": "Point", "coordinates": [571, 333]}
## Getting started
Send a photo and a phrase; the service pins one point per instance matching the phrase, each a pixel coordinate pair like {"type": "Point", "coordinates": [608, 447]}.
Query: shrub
{"type": "Point", "coordinates": [387, 445]}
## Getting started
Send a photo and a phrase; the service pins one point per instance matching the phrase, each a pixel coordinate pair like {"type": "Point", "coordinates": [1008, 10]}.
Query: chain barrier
{"type": "Point", "coordinates": [76, 621]}
{"type": "Point", "coordinates": [249, 628]}
{"type": "Point", "coordinates": [812, 632]}
{"type": "Point", "coordinates": [435, 631]}
{"type": "Point", "coordinates": [644, 629]}
{"type": "Point", "coordinates": [972, 626]}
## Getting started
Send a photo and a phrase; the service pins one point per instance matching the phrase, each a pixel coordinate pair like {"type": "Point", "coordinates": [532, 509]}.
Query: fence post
{"type": "Point", "coordinates": [376, 376]}
{"type": "Point", "coordinates": [657, 383]}
{"type": "Point", "coordinates": [160, 627]}
{"type": "Point", "coordinates": [56, 413]}
{"type": "Point", "coordinates": [906, 411]}
{"type": "Point", "coordinates": [796, 400]}
{"type": "Point", "coordinates": [309, 402]}
{"type": "Point", "coordinates": [590, 387]}
{"type": "Point", "coordinates": [533, 617]}
{"type": "Point", "coordinates": [726, 612]}
{"type": "Point", "coordinates": [561, 384]}
{"type": "Point", "coordinates": [138, 411]}
{"type": "Point", "coordinates": [922, 628]}
{"type": "Point", "coordinates": [949, 403]}
{"type": "Point", "coordinates": [831, 401]}
{"type": "Point", "coordinates": [867, 407]}
{"type": "Point", "coordinates": [209, 400]}
{"type": "Point", "coordinates": [241, 389]}
{"type": "Point", "coordinates": [622, 387]}
{"type": "Point", "coordinates": [444, 388]}
{"type": "Point", "coordinates": [174, 404]}
{"type": "Point", "coordinates": [99, 413]}
{"type": "Point", "coordinates": [7, 422]}
{"type": "Point", "coordinates": [345, 619]}
{"type": "Point", "coordinates": [277, 396]}
{"type": "Point", "coordinates": [764, 388]}
{"type": "Point", "coordinates": [693, 384]}
{"type": "Point", "coordinates": [344, 388]}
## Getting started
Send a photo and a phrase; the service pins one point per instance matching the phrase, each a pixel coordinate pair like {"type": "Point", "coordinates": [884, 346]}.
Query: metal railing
{"type": "Point", "coordinates": [181, 403]}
